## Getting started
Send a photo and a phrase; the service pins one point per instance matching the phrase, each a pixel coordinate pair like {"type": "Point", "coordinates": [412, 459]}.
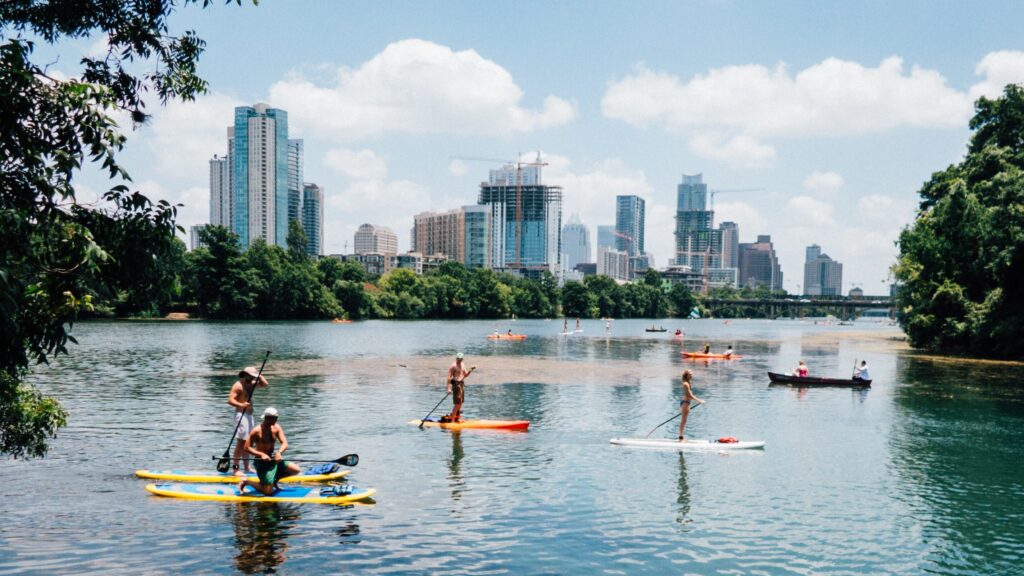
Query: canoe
{"type": "Point", "coordinates": [227, 477]}
{"type": "Point", "coordinates": [815, 381]}
{"type": "Point", "coordinates": [655, 329]}
{"type": "Point", "coordinates": [477, 424]}
{"type": "Point", "coordinates": [695, 445]}
{"type": "Point", "coordinates": [507, 336]}
{"type": "Point", "coordinates": [703, 355]}
{"type": "Point", "coordinates": [220, 493]}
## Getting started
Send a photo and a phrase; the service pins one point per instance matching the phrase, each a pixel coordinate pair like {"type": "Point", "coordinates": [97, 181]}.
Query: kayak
{"type": "Point", "coordinates": [507, 336]}
{"type": "Point", "coordinates": [712, 445]}
{"type": "Point", "coordinates": [815, 381]}
{"type": "Point", "coordinates": [311, 494]}
{"type": "Point", "coordinates": [477, 424]}
{"type": "Point", "coordinates": [228, 477]}
{"type": "Point", "coordinates": [703, 355]}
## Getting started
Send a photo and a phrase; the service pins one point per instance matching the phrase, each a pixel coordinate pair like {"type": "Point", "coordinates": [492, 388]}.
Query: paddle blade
{"type": "Point", "coordinates": [348, 460]}
{"type": "Point", "coordinates": [224, 464]}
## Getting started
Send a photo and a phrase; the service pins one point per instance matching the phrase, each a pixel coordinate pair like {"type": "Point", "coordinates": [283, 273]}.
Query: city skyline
{"type": "Point", "coordinates": [840, 128]}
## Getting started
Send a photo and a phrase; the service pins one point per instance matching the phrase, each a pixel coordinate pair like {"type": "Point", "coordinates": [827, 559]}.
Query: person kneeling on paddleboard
{"type": "Point", "coordinates": [270, 464]}
{"type": "Point", "coordinates": [684, 405]}
{"type": "Point", "coordinates": [457, 387]}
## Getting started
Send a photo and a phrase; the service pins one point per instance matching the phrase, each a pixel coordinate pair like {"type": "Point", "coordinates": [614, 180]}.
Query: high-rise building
{"type": "Point", "coordinates": [477, 236]}
{"type": "Point", "coordinates": [526, 220]}
{"type": "Point", "coordinates": [461, 235]}
{"type": "Point", "coordinates": [194, 241]}
{"type": "Point", "coordinates": [698, 245]}
{"type": "Point", "coordinates": [295, 184]}
{"type": "Point", "coordinates": [629, 224]}
{"type": "Point", "coordinates": [259, 174]}
{"type": "Point", "coordinates": [823, 276]}
{"type": "Point", "coordinates": [759, 266]}
{"type": "Point", "coordinates": [370, 239]}
{"type": "Point", "coordinates": [576, 243]}
{"type": "Point", "coordinates": [606, 236]}
{"type": "Point", "coordinates": [220, 192]}
{"type": "Point", "coordinates": [730, 244]}
{"type": "Point", "coordinates": [313, 218]}
{"type": "Point", "coordinates": [613, 263]}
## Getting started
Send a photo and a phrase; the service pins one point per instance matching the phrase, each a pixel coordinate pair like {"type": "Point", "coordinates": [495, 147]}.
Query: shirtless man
{"type": "Point", "coordinates": [270, 466]}
{"type": "Point", "coordinates": [241, 393]}
{"type": "Point", "coordinates": [457, 386]}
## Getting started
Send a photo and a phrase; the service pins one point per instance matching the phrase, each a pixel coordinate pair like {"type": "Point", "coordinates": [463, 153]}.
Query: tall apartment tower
{"type": "Point", "coordinates": [759, 266]}
{"type": "Point", "coordinates": [295, 184]}
{"type": "Point", "coordinates": [370, 239]}
{"type": "Point", "coordinates": [526, 220]}
{"type": "Point", "coordinates": [823, 276]}
{"type": "Point", "coordinates": [313, 218]}
{"type": "Point", "coordinates": [220, 192]}
{"type": "Point", "coordinates": [576, 243]}
{"type": "Point", "coordinates": [259, 174]}
{"type": "Point", "coordinates": [460, 234]}
{"type": "Point", "coordinates": [629, 225]}
{"type": "Point", "coordinates": [730, 244]}
{"type": "Point", "coordinates": [697, 244]}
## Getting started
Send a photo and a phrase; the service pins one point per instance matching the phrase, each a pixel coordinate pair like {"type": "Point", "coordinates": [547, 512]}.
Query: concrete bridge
{"type": "Point", "coordinates": [842, 307]}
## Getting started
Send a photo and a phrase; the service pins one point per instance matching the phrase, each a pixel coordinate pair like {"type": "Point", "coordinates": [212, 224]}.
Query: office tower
{"type": "Point", "coordinates": [697, 244]}
{"type": "Point", "coordinates": [613, 263]}
{"type": "Point", "coordinates": [295, 184]}
{"type": "Point", "coordinates": [259, 174]}
{"type": "Point", "coordinates": [313, 218]}
{"type": "Point", "coordinates": [823, 276]}
{"type": "Point", "coordinates": [370, 239]}
{"type": "Point", "coordinates": [526, 220]}
{"type": "Point", "coordinates": [606, 236]}
{"type": "Point", "coordinates": [194, 241]}
{"type": "Point", "coordinates": [460, 234]}
{"type": "Point", "coordinates": [730, 244]}
{"type": "Point", "coordinates": [576, 243]}
{"type": "Point", "coordinates": [759, 266]}
{"type": "Point", "coordinates": [220, 192]}
{"type": "Point", "coordinates": [477, 236]}
{"type": "Point", "coordinates": [629, 225]}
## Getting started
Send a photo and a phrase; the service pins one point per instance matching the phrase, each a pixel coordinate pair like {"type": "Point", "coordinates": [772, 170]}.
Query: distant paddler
{"type": "Point", "coordinates": [271, 466]}
{"type": "Point", "coordinates": [684, 404]}
{"type": "Point", "coordinates": [240, 398]}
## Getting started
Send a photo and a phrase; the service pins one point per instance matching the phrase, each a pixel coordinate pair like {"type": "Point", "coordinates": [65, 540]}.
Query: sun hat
{"type": "Point", "coordinates": [459, 355]}
{"type": "Point", "coordinates": [248, 371]}
{"type": "Point", "coordinates": [271, 411]}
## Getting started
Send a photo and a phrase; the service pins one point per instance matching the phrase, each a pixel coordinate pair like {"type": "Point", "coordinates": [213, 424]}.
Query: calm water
{"type": "Point", "coordinates": [921, 474]}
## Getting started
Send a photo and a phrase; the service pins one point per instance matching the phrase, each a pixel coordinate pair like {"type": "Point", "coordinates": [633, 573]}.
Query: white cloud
{"type": "Point", "coordinates": [183, 136]}
{"type": "Point", "coordinates": [356, 164]}
{"type": "Point", "coordinates": [458, 168]}
{"type": "Point", "coordinates": [824, 184]}
{"type": "Point", "coordinates": [416, 86]}
{"type": "Point", "coordinates": [750, 220]}
{"type": "Point", "coordinates": [738, 151]}
{"type": "Point", "coordinates": [999, 69]}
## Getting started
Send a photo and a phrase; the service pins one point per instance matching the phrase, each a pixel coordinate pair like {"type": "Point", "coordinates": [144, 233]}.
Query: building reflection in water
{"type": "Point", "coordinates": [261, 533]}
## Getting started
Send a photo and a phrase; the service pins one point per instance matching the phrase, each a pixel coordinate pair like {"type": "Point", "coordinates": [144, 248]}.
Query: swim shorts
{"type": "Point", "coordinates": [458, 392]}
{"type": "Point", "coordinates": [248, 423]}
{"type": "Point", "coordinates": [268, 471]}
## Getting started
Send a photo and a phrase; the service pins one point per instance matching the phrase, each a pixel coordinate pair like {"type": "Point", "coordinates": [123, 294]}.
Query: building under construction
{"type": "Point", "coordinates": [526, 221]}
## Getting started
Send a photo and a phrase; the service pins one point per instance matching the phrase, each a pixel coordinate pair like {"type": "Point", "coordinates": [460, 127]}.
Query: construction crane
{"type": "Point", "coordinates": [519, 190]}
{"type": "Point", "coordinates": [713, 192]}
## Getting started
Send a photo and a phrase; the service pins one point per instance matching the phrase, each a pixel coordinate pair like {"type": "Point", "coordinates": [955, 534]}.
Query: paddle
{"type": "Point", "coordinates": [446, 395]}
{"type": "Point", "coordinates": [669, 420]}
{"type": "Point", "coordinates": [346, 460]}
{"type": "Point", "coordinates": [225, 461]}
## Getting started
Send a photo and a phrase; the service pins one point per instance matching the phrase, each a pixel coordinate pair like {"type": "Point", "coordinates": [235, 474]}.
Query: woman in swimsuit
{"type": "Point", "coordinates": [684, 405]}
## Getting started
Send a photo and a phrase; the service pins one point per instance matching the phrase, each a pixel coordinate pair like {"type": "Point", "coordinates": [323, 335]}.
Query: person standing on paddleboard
{"type": "Point", "coordinates": [270, 464]}
{"type": "Point", "coordinates": [239, 398]}
{"type": "Point", "coordinates": [457, 386]}
{"type": "Point", "coordinates": [684, 404]}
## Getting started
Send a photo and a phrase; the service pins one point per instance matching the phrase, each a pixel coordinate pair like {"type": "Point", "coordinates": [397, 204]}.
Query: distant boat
{"type": "Point", "coordinates": [814, 381]}
{"type": "Point", "coordinates": [653, 329]}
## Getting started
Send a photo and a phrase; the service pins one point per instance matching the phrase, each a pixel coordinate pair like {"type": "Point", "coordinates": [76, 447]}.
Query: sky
{"type": "Point", "coordinates": [819, 121]}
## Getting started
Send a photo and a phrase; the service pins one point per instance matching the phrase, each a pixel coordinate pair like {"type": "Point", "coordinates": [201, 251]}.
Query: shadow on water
{"type": "Point", "coordinates": [261, 533]}
{"type": "Point", "coordinates": [955, 448]}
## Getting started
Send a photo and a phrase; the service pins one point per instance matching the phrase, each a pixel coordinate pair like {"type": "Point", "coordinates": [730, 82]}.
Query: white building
{"type": "Point", "coordinates": [370, 239]}
{"type": "Point", "coordinates": [613, 263]}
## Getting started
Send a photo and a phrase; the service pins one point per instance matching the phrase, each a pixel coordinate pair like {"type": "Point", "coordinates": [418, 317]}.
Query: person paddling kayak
{"type": "Point", "coordinates": [270, 466]}
{"type": "Point", "coordinates": [684, 404]}
{"type": "Point", "coordinates": [457, 387]}
{"type": "Point", "coordinates": [239, 397]}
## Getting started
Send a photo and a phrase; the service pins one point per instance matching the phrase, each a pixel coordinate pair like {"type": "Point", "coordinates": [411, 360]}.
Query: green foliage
{"type": "Point", "coordinates": [27, 418]}
{"type": "Point", "coordinates": [577, 301]}
{"type": "Point", "coordinates": [607, 295]}
{"type": "Point", "coordinates": [961, 262]}
{"type": "Point", "coordinates": [682, 300]}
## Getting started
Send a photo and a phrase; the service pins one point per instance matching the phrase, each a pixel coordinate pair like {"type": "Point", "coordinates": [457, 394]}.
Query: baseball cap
{"type": "Point", "coordinates": [248, 371]}
{"type": "Point", "coordinates": [459, 355]}
{"type": "Point", "coordinates": [272, 412]}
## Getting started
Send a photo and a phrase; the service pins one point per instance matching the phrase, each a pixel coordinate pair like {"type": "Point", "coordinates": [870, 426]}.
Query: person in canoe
{"type": "Point", "coordinates": [684, 404]}
{"type": "Point", "coordinates": [271, 466]}
{"type": "Point", "coordinates": [801, 370]}
{"type": "Point", "coordinates": [238, 397]}
{"type": "Point", "coordinates": [679, 332]}
{"type": "Point", "coordinates": [861, 372]}
{"type": "Point", "coordinates": [707, 348]}
{"type": "Point", "coordinates": [457, 387]}
{"type": "Point", "coordinates": [728, 352]}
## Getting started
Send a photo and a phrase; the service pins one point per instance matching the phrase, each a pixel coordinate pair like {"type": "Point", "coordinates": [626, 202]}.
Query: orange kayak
{"type": "Point", "coordinates": [477, 424]}
{"type": "Point", "coordinates": [507, 336]}
{"type": "Point", "coordinates": [703, 355]}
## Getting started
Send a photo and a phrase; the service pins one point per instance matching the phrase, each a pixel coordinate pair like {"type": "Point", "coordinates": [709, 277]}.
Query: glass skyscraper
{"type": "Point", "coordinates": [313, 218]}
{"type": "Point", "coordinates": [697, 244]}
{"type": "Point", "coordinates": [576, 243]}
{"type": "Point", "coordinates": [259, 174]}
{"type": "Point", "coordinates": [629, 225]}
{"type": "Point", "coordinates": [295, 184]}
{"type": "Point", "coordinates": [526, 221]}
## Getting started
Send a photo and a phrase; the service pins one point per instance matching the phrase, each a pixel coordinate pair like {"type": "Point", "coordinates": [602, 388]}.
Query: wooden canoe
{"type": "Point", "coordinates": [791, 380]}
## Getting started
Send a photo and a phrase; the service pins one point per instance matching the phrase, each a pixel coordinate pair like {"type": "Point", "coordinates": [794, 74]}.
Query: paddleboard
{"type": "Point", "coordinates": [477, 424]}
{"type": "Point", "coordinates": [219, 493]}
{"type": "Point", "coordinates": [507, 337]}
{"type": "Point", "coordinates": [703, 355]}
{"type": "Point", "coordinates": [228, 477]}
{"type": "Point", "coordinates": [669, 444]}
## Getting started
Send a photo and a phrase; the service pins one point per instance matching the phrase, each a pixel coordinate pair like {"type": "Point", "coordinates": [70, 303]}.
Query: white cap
{"type": "Point", "coordinates": [270, 412]}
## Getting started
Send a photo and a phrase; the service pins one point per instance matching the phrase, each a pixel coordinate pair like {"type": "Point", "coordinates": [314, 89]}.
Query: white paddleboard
{"type": "Point", "coordinates": [668, 444]}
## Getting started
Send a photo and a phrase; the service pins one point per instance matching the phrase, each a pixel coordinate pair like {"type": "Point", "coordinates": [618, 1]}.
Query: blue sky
{"type": "Point", "coordinates": [838, 111]}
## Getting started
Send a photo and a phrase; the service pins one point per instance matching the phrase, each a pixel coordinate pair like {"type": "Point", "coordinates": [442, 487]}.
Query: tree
{"type": "Point", "coordinates": [682, 300]}
{"type": "Point", "coordinates": [607, 295]}
{"type": "Point", "coordinates": [577, 301]}
{"type": "Point", "coordinates": [962, 259]}
{"type": "Point", "coordinates": [52, 246]}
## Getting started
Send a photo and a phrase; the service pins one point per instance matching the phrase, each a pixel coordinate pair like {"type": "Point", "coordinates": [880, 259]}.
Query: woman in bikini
{"type": "Point", "coordinates": [684, 405]}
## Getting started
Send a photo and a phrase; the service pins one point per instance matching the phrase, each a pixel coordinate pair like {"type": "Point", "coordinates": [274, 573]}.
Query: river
{"type": "Point", "coordinates": [923, 473]}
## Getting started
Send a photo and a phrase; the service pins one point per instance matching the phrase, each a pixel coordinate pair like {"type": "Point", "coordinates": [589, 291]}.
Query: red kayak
{"type": "Point", "coordinates": [718, 356]}
{"type": "Point", "coordinates": [478, 424]}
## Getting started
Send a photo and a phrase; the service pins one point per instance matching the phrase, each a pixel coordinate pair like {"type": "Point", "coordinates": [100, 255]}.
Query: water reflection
{"type": "Point", "coordinates": [683, 512]}
{"type": "Point", "coordinates": [455, 466]}
{"type": "Point", "coordinates": [261, 533]}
